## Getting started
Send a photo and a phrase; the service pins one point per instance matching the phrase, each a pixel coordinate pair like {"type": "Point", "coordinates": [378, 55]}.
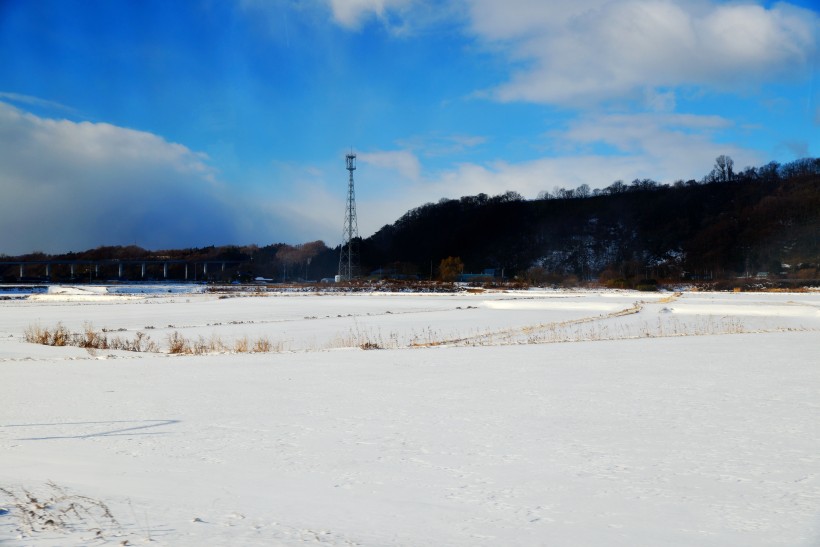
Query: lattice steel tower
{"type": "Point", "coordinates": [348, 258]}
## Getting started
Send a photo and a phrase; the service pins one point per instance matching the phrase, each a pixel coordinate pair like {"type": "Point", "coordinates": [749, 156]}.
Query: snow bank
{"type": "Point", "coordinates": [89, 293]}
{"type": "Point", "coordinates": [85, 290]}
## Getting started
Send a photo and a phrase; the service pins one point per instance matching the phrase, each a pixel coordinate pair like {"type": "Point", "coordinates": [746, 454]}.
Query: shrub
{"type": "Point", "coordinates": [241, 345]}
{"type": "Point", "coordinates": [450, 268]}
{"type": "Point", "coordinates": [617, 283]}
{"type": "Point", "coordinates": [262, 345]}
{"type": "Point", "coordinates": [647, 285]}
{"type": "Point", "coordinates": [177, 344]}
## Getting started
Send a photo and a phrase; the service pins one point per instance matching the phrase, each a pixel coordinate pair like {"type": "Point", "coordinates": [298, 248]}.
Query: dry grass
{"type": "Point", "coordinates": [593, 328]}
{"type": "Point", "coordinates": [58, 336]}
{"type": "Point", "coordinates": [58, 510]}
{"type": "Point", "coordinates": [177, 344]}
{"type": "Point", "coordinates": [602, 327]}
{"type": "Point", "coordinates": [89, 339]}
{"type": "Point", "coordinates": [241, 345]}
{"type": "Point", "coordinates": [262, 345]}
{"type": "Point", "coordinates": [367, 339]}
{"type": "Point", "coordinates": [606, 326]}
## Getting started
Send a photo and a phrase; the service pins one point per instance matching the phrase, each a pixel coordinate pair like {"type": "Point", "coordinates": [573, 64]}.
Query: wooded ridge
{"type": "Point", "coordinates": [760, 222]}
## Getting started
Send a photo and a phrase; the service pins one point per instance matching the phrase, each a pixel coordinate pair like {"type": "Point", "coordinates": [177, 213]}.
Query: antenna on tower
{"type": "Point", "coordinates": [348, 258]}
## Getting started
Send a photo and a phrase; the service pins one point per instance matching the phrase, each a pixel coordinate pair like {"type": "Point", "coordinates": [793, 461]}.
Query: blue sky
{"type": "Point", "coordinates": [191, 123]}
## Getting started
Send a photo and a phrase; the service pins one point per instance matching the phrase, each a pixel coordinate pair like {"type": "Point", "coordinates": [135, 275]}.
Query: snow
{"type": "Point", "coordinates": [501, 418]}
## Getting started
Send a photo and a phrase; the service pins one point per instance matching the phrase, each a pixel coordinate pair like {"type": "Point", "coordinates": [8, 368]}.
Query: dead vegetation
{"type": "Point", "coordinates": [89, 338]}
{"type": "Point", "coordinates": [606, 326]}
{"type": "Point", "coordinates": [57, 510]}
{"type": "Point", "coordinates": [177, 344]}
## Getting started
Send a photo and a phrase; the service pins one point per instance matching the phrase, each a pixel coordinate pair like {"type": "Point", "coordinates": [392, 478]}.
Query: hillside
{"type": "Point", "coordinates": [759, 222]}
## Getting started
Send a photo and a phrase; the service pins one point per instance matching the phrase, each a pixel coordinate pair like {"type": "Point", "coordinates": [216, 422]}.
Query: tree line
{"type": "Point", "coordinates": [752, 222]}
{"type": "Point", "coordinates": [760, 220]}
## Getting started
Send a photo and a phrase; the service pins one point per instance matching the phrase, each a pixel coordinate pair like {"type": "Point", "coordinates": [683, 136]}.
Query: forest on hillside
{"type": "Point", "coordinates": [759, 222]}
{"type": "Point", "coordinates": [728, 224]}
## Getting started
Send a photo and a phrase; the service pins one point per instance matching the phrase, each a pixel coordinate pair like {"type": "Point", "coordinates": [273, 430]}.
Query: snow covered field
{"type": "Point", "coordinates": [495, 418]}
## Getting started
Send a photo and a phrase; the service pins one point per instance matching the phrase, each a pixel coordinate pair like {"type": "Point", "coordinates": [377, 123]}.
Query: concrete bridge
{"type": "Point", "coordinates": [131, 269]}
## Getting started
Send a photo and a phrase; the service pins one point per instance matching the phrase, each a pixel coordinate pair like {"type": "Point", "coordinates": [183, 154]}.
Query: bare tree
{"type": "Point", "coordinates": [723, 168]}
{"type": "Point", "coordinates": [617, 187]}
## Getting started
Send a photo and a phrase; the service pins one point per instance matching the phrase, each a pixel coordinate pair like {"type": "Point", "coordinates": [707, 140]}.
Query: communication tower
{"type": "Point", "coordinates": [348, 259]}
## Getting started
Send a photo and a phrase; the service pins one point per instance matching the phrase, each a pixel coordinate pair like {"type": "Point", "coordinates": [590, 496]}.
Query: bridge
{"type": "Point", "coordinates": [128, 269]}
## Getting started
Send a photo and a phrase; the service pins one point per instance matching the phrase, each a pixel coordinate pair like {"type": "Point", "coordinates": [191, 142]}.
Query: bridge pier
{"type": "Point", "coordinates": [78, 268]}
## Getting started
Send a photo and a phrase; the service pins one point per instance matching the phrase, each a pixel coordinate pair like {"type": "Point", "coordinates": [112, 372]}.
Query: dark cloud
{"type": "Point", "coordinates": [71, 186]}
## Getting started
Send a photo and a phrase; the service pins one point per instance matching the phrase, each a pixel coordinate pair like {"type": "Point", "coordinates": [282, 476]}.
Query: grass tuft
{"type": "Point", "coordinates": [57, 510]}
{"type": "Point", "coordinates": [177, 344]}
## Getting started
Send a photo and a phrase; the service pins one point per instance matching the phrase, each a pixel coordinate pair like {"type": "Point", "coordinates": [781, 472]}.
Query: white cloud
{"type": "Point", "coordinates": [72, 186]}
{"type": "Point", "coordinates": [352, 14]}
{"type": "Point", "coordinates": [657, 135]}
{"type": "Point", "coordinates": [402, 161]}
{"type": "Point", "coordinates": [516, 19]}
{"type": "Point", "coordinates": [399, 17]}
{"type": "Point", "coordinates": [666, 147]}
{"type": "Point", "coordinates": [441, 145]}
{"type": "Point", "coordinates": [529, 178]}
{"type": "Point", "coordinates": [305, 205]}
{"type": "Point", "coordinates": [585, 52]}
{"type": "Point", "coordinates": [660, 101]}
{"type": "Point", "coordinates": [663, 147]}
{"type": "Point", "coordinates": [34, 101]}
